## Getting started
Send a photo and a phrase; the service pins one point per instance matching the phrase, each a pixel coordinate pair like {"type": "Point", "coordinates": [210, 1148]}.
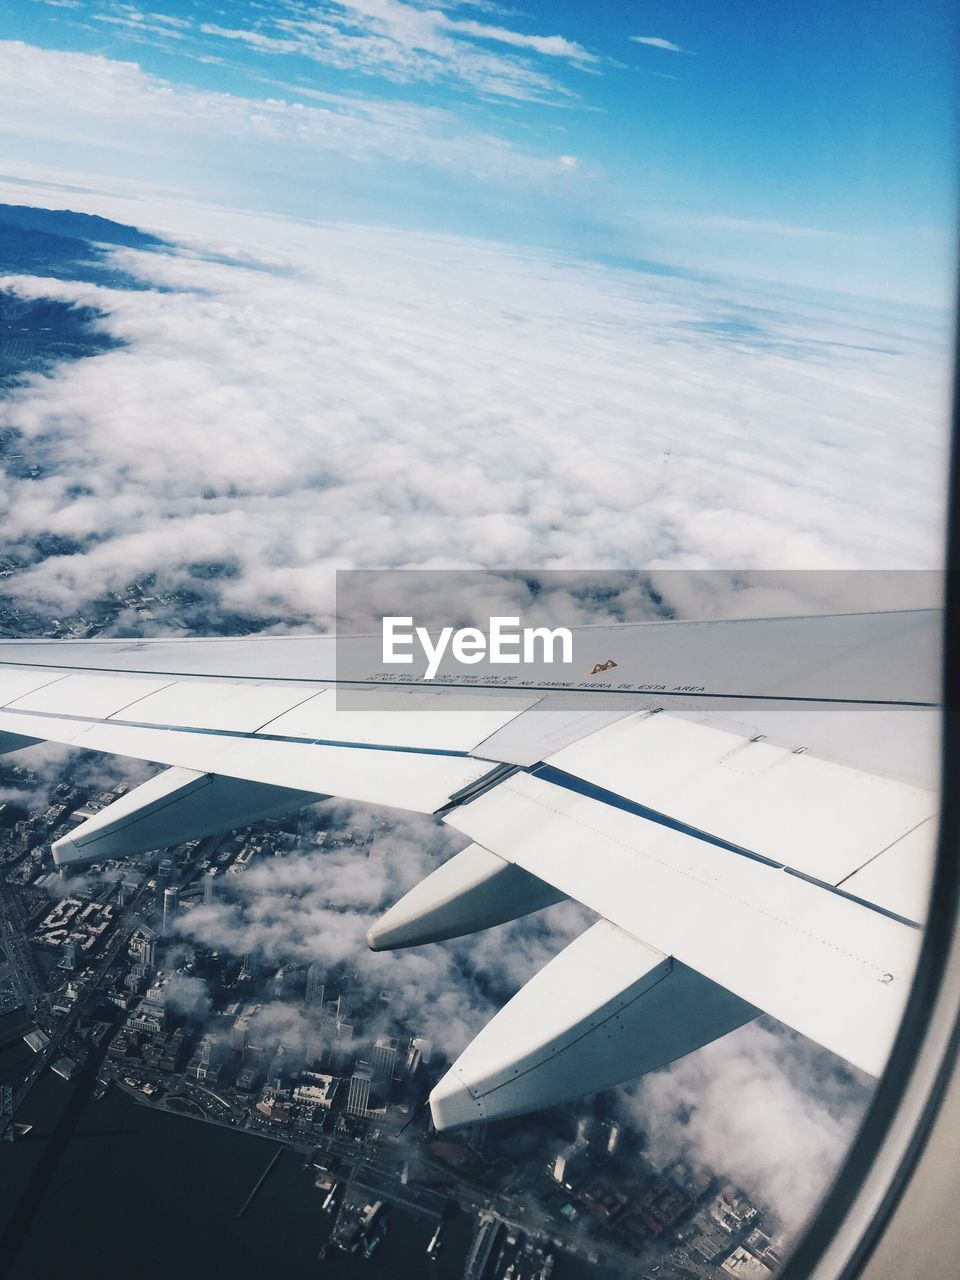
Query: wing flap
{"type": "Point", "coordinates": [832, 968]}
{"type": "Point", "coordinates": [237, 707]}
{"type": "Point", "coordinates": [818, 817]}
{"type": "Point", "coordinates": [86, 696]}
{"type": "Point", "coordinates": [899, 877]}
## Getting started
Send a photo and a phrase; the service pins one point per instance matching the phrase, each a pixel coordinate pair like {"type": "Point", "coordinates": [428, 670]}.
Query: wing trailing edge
{"type": "Point", "coordinates": [832, 967]}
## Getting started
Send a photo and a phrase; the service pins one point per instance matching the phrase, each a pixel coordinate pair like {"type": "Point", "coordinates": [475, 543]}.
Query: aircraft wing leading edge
{"type": "Point", "coordinates": [744, 852]}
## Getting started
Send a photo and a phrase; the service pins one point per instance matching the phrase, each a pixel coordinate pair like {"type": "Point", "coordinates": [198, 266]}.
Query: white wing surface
{"type": "Point", "coordinates": [749, 808]}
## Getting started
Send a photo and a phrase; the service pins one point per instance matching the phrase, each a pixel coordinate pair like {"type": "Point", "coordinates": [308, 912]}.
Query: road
{"type": "Point", "coordinates": [23, 966]}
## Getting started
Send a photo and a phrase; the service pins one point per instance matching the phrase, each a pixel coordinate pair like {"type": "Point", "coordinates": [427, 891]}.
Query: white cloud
{"type": "Point", "coordinates": [549, 46]}
{"type": "Point", "coordinates": [656, 42]}
{"type": "Point", "coordinates": [253, 39]}
{"type": "Point", "coordinates": [763, 1107]}
{"type": "Point", "coordinates": [148, 28]}
{"type": "Point", "coordinates": [410, 43]}
{"type": "Point", "coordinates": [334, 397]}
{"type": "Point", "coordinates": [766, 227]}
{"type": "Point", "coordinates": [84, 100]}
{"type": "Point", "coordinates": [318, 907]}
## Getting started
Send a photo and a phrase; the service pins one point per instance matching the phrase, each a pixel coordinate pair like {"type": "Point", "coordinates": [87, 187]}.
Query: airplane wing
{"type": "Point", "coordinates": [748, 807]}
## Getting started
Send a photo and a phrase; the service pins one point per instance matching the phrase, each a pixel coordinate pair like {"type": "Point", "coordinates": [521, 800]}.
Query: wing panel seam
{"type": "Point", "coordinates": [711, 886]}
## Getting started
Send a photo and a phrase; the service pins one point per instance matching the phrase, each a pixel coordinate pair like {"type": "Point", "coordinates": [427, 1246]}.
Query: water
{"type": "Point", "coordinates": [106, 1187]}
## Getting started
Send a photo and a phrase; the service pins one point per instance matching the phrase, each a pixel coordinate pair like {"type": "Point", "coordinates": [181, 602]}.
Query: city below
{"type": "Point", "coordinates": [109, 995]}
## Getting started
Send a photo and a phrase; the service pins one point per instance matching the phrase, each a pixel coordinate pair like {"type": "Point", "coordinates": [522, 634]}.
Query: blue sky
{"type": "Point", "coordinates": [807, 142]}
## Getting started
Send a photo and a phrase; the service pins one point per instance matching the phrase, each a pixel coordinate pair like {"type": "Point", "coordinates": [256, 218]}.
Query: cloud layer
{"type": "Point", "coordinates": [333, 397]}
{"type": "Point", "coordinates": [319, 905]}
{"type": "Point", "coordinates": [86, 100]}
{"type": "Point", "coordinates": [766, 1108]}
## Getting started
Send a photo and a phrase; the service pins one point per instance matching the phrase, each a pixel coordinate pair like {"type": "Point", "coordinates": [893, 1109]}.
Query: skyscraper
{"type": "Point", "coordinates": [171, 900]}
{"type": "Point", "coordinates": [425, 1047]}
{"type": "Point", "coordinates": [253, 963]}
{"type": "Point", "coordinates": [239, 1032]}
{"type": "Point", "coordinates": [143, 949]}
{"type": "Point", "coordinates": [210, 887]}
{"type": "Point", "coordinates": [358, 1099]}
{"type": "Point", "coordinates": [384, 1064]}
{"type": "Point", "coordinates": [314, 991]}
{"type": "Point", "coordinates": [164, 875]}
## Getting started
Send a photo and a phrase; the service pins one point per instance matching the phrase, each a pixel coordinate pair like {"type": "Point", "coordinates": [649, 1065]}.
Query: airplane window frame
{"type": "Point", "coordinates": [858, 1214]}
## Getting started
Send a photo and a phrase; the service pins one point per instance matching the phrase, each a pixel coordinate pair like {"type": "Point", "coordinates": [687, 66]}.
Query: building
{"type": "Point", "coordinates": [744, 1264]}
{"type": "Point", "coordinates": [569, 1166]}
{"type": "Point", "coordinates": [314, 991]}
{"type": "Point", "coordinates": [127, 890]}
{"type": "Point", "coordinates": [77, 921]}
{"type": "Point", "coordinates": [613, 1135]}
{"type": "Point", "coordinates": [284, 1064]}
{"type": "Point", "coordinates": [36, 1040]}
{"type": "Point", "coordinates": [240, 1031]}
{"type": "Point", "coordinates": [358, 1098]}
{"type": "Point", "coordinates": [149, 1019]}
{"type": "Point", "coordinates": [732, 1211]}
{"type": "Point", "coordinates": [163, 879]}
{"type": "Point", "coordinates": [424, 1048]}
{"type": "Point", "coordinates": [275, 1110]}
{"type": "Point", "coordinates": [143, 950]}
{"type": "Point", "coordinates": [384, 1063]}
{"type": "Point", "coordinates": [205, 1063]}
{"type": "Point", "coordinates": [171, 900]}
{"type": "Point", "coordinates": [210, 887]}
{"type": "Point", "coordinates": [316, 1090]}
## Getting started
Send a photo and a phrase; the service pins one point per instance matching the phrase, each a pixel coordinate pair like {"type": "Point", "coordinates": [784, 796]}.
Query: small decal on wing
{"type": "Point", "coordinates": [602, 666]}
